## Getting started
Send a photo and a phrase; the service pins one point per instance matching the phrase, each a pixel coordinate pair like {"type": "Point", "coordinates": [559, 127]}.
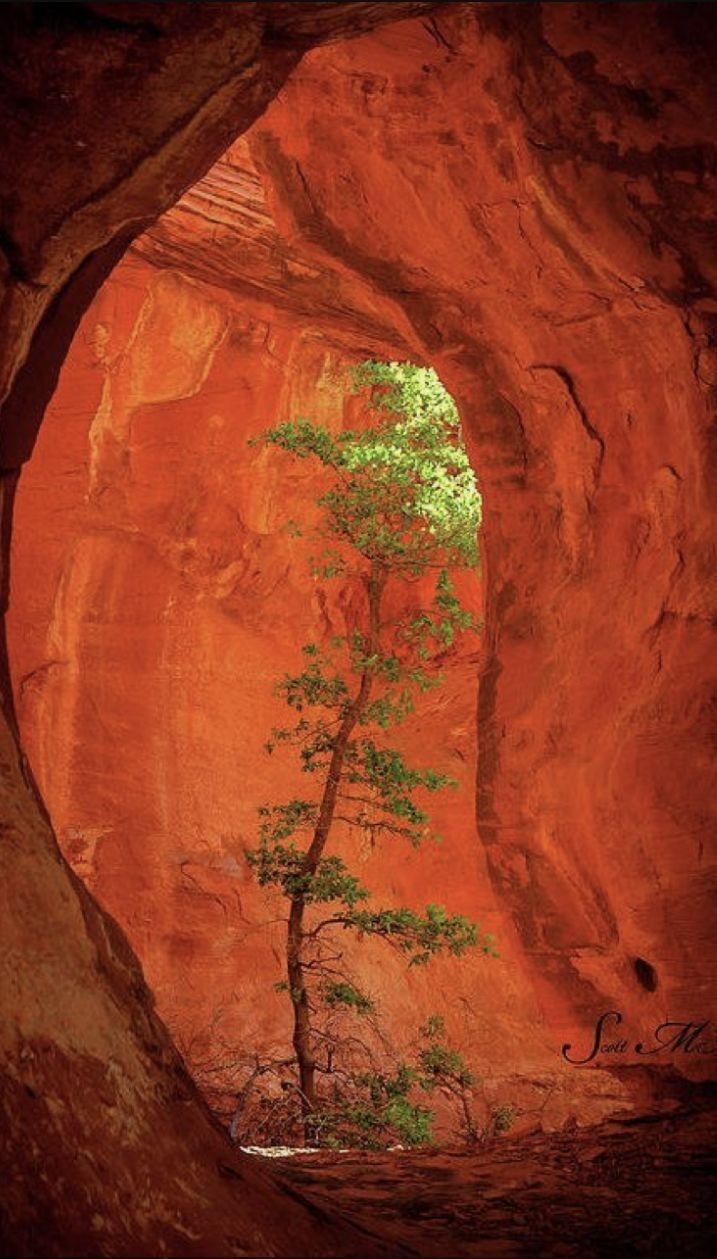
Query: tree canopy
{"type": "Point", "coordinates": [402, 502]}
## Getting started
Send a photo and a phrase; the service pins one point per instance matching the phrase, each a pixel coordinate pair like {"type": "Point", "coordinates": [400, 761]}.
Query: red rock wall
{"type": "Point", "coordinates": [178, 603]}
{"type": "Point", "coordinates": [145, 653]}
{"type": "Point", "coordinates": [108, 113]}
{"type": "Point", "coordinates": [534, 190]}
{"type": "Point", "coordinates": [529, 189]}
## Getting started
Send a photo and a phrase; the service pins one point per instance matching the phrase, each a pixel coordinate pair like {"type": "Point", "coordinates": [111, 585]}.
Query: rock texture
{"type": "Point", "coordinates": [523, 196]}
{"type": "Point", "coordinates": [534, 188]}
{"type": "Point", "coordinates": [109, 112]}
{"type": "Point", "coordinates": [621, 1188]}
{"type": "Point", "coordinates": [77, 187]}
{"type": "Point", "coordinates": [145, 653]}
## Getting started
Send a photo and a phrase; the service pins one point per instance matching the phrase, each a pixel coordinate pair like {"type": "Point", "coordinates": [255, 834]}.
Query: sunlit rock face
{"type": "Point", "coordinates": [534, 191]}
{"type": "Point", "coordinates": [108, 114]}
{"type": "Point", "coordinates": [518, 199]}
{"type": "Point", "coordinates": [146, 650]}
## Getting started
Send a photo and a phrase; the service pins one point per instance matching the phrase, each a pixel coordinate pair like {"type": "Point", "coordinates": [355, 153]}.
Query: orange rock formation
{"type": "Point", "coordinates": [522, 196]}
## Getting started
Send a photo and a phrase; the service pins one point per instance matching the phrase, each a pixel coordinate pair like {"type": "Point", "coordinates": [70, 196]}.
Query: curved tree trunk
{"type": "Point", "coordinates": [302, 1035]}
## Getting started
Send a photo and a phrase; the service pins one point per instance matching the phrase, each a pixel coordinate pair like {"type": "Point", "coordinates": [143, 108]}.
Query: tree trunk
{"type": "Point", "coordinates": [295, 934]}
{"type": "Point", "coordinates": [302, 1017]}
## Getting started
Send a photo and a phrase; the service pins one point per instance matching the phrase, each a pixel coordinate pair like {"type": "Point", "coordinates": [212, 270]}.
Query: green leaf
{"type": "Point", "coordinates": [420, 936]}
{"type": "Point", "coordinates": [345, 994]}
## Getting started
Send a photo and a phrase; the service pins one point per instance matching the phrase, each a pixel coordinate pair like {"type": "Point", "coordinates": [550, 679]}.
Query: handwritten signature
{"type": "Point", "coordinates": [667, 1038]}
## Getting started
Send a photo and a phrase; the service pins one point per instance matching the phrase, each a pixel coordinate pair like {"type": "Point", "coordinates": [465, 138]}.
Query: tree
{"type": "Point", "coordinates": [402, 503]}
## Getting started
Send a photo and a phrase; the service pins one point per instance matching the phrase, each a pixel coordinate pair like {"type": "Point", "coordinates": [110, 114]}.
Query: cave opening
{"type": "Point", "coordinates": [422, 204]}
{"type": "Point", "coordinates": [173, 589]}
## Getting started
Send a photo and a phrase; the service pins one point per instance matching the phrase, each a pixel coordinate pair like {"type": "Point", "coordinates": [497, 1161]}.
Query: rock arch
{"type": "Point", "coordinates": [551, 255]}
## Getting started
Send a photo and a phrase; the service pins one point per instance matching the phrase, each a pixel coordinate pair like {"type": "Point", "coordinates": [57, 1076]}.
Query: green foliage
{"type": "Point", "coordinates": [379, 1111]}
{"type": "Point", "coordinates": [280, 821]}
{"type": "Point", "coordinates": [374, 1108]}
{"type": "Point", "coordinates": [439, 1063]}
{"type": "Point", "coordinates": [405, 493]}
{"type": "Point", "coordinates": [421, 936]}
{"type": "Point", "coordinates": [390, 784]}
{"type": "Point", "coordinates": [385, 770]}
{"type": "Point", "coordinates": [314, 685]}
{"type": "Point", "coordinates": [402, 502]}
{"type": "Point", "coordinates": [434, 1027]}
{"type": "Point", "coordinates": [346, 995]}
{"type": "Point", "coordinates": [284, 867]}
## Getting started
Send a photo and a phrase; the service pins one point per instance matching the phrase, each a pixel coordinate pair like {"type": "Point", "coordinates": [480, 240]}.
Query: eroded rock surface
{"type": "Point", "coordinates": [534, 188]}
{"type": "Point", "coordinates": [109, 112]}
{"type": "Point", "coordinates": [622, 1188]}
{"type": "Point", "coordinates": [521, 195]}
{"type": "Point", "coordinates": [146, 651]}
